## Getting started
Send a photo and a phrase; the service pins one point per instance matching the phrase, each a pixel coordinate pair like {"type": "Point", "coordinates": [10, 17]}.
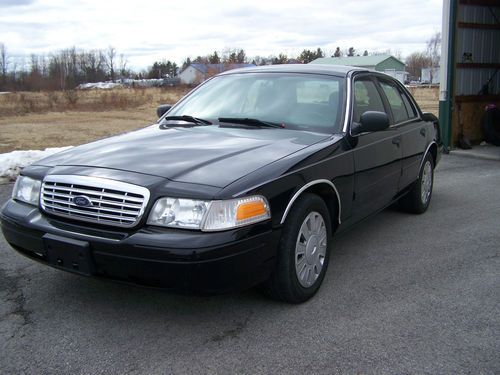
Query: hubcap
{"type": "Point", "coordinates": [310, 249]}
{"type": "Point", "coordinates": [426, 183]}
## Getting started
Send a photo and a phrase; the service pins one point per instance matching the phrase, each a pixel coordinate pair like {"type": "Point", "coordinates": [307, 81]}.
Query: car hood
{"type": "Point", "coordinates": [209, 155]}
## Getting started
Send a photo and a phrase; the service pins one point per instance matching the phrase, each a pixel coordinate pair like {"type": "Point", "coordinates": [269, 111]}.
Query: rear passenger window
{"type": "Point", "coordinates": [395, 101]}
{"type": "Point", "coordinates": [366, 98]}
{"type": "Point", "coordinates": [409, 107]}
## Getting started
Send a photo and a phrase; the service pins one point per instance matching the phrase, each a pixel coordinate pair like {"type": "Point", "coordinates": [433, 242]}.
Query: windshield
{"type": "Point", "coordinates": [297, 101]}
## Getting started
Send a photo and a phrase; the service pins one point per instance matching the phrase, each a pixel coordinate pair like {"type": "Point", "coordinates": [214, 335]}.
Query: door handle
{"type": "Point", "coordinates": [422, 132]}
{"type": "Point", "coordinates": [396, 141]}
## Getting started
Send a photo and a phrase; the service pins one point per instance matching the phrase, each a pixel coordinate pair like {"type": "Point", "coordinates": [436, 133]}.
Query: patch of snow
{"type": "Point", "coordinates": [126, 82]}
{"type": "Point", "coordinates": [99, 85]}
{"type": "Point", "coordinates": [4, 92]}
{"type": "Point", "coordinates": [11, 163]}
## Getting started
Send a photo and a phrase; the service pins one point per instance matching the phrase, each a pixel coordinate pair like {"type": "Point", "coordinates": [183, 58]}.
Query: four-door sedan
{"type": "Point", "coordinates": [243, 182]}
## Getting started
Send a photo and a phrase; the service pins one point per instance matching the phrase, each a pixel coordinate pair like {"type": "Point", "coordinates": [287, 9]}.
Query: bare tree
{"type": "Point", "coordinates": [4, 63]}
{"type": "Point", "coordinates": [397, 54]}
{"type": "Point", "coordinates": [416, 62]}
{"type": "Point", "coordinates": [124, 71]}
{"type": "Point", "coordinates": [434, 49]}
{"type": "Point", "coordinates": [110, 61]}
{"type": "Point", "coordinates": [433, 52]}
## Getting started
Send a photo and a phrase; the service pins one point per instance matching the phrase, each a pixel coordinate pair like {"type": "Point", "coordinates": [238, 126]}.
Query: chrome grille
{"type": "Point", "coordinates": [106, 201]}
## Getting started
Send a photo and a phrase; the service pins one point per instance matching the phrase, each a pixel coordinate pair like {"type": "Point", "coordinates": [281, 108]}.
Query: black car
{"type": "Point", "coordinates": [243, 182]}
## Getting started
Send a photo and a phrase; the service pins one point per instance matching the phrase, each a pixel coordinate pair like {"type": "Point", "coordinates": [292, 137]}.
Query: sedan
{"type": "Point", "coordinates": [244, 182]}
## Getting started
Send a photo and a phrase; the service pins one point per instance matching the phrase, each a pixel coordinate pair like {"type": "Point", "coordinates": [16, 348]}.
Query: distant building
{"type": "Point", "coordinates": [197, 73]}
{"type": "Point", "coordinates": [383, 63]}
{"type": "Point", "coordinates": [430, 75]}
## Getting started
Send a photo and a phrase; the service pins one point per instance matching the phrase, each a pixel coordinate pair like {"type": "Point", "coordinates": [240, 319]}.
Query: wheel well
{"type": "Point", "coordinates": [330, 198]}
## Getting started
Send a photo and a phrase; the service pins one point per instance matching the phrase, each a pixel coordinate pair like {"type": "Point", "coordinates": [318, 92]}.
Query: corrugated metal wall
{"type": "Point", "coordinates": [483, 44]}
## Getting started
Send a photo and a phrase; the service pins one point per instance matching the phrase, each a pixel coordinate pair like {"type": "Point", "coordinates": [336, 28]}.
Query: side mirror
{"type": "Point", "coordinates": [162, 109]}
{"type": "Point", "coordinates": [430, 117]}
{"type": "Point", "coordinates": [371, 121]}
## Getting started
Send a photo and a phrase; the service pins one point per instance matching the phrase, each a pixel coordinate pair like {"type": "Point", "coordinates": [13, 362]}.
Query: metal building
{"type": "Point", "coordinates": [470, 63]}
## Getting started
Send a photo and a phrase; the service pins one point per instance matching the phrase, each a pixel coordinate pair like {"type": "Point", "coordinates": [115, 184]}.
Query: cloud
{"type": "Point", "coordinates": [14, 3]}
{"type": "Point", "coordinates": [149, 30]}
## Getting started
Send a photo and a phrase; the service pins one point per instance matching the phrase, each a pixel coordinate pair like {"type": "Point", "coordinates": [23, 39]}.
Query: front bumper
{"type": "Point", "coordinates": [169, 258]}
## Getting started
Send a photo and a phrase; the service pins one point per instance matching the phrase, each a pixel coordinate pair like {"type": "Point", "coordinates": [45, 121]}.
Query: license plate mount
{"type": "Point", "coordinates": [69, 254]}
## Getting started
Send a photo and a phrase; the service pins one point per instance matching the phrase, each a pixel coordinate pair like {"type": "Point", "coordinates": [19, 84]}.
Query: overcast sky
{"type": "Point", "coordinates": [146, 31]}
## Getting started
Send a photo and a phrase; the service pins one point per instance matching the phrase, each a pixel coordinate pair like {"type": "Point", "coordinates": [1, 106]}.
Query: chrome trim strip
{"type": "Point", "coordinates": [348, 104]}
{"type": "Point", "coordinates": [84, 191]}
{"type": "Point", "coordinates": [425, 154]}
{"type": "Point", "coordinates": [81, 236]}
{"type": "Point", "coordinates": [131, 218]}
{"type": "Point", "coordinates": [303, 188]}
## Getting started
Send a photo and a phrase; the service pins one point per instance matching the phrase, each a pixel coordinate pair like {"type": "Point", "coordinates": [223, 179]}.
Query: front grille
{"type": "Point", "coordinates": [92, 199]}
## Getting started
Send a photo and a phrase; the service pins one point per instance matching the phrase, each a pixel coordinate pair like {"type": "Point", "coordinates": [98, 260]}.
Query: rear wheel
{"type": "Point", "coordinates": [303, 251]}
{"type": "Point", "coordinates": [418, 198]}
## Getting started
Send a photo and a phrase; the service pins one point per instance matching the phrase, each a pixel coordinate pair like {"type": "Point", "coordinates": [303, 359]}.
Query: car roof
{"type": "Point", "coordinates": [335, 70]}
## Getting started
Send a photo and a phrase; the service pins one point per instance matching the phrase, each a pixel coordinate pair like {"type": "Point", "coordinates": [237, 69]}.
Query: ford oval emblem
{"type": "Point", "coordinates": [82, 201]}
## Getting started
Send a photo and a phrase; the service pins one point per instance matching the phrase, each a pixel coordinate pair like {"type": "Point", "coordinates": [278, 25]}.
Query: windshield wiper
{"type": "Point", "coordinates": [251, 122]}
{"type": "Point", "coordinates": [187, 118]}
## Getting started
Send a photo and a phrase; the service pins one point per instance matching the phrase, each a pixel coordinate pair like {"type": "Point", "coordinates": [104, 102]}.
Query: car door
{"type": "Point", "coordinates": [377, 155]}
{"type": "Point", "coordinates": [412, 129]}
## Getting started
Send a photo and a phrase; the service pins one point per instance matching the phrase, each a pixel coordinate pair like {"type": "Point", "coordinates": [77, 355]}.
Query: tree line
{"type": "Point", "coordinates": [68, 68]}
{"type": "Point", "coordinates": [62, 70]}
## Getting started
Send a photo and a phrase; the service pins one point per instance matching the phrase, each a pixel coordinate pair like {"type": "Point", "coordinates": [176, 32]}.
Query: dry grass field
{"type": "Point", "coordinates": [36, 120]}
{"type": "Point", "coordinates": [427, 98]}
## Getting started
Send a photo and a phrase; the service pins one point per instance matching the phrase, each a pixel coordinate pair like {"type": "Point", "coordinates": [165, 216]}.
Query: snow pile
{"type": "Point", "coordinates": [99, 85]}
{"type": "Point", "coordinates": [126, 82]}
{"type": "Point", "coordinates": [11, 163]}
{"type": "Point", "coordinates": [154, 82]}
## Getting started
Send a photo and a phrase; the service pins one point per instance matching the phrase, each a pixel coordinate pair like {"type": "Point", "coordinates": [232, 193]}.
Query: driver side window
{"type": "Point", "coordinates": [366, 98]}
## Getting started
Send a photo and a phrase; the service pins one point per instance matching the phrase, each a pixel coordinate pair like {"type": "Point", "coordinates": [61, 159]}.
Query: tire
{"type": "Point", "coordinates": [418, 198]}
{"type": "Point", "coordinates": [490, 124]}
{"type": "Point", "coordinates": [302, 263]}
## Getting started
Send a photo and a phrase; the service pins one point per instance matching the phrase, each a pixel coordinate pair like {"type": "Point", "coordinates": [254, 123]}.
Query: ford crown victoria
{"type": "Point", "coordinates": [243, 182]}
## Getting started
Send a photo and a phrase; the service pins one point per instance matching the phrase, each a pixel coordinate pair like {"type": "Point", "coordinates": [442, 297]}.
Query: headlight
{"type": "Point", "coordinates": [178, 213]}
{"type": "Point", "coordinates": [209, 215]}
{"type": "Point", "coordinates": [27, 190]}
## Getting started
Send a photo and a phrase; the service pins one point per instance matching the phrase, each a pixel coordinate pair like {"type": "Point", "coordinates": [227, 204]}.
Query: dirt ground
{"type": "Point", "coordinates": [34, 121]}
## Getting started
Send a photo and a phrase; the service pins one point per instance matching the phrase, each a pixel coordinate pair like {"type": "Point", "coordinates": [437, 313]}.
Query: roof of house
{"type": "Point", "coordinates": [218, 68]}
{"type": "Point", "coordinates": [362, 61]}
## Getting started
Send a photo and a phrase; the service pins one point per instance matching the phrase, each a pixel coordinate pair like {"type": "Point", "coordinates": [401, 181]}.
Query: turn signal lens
{"type": "Point", "coordinates": [249, 210]}
{"type": "Point", "coordinates": [236, 213]}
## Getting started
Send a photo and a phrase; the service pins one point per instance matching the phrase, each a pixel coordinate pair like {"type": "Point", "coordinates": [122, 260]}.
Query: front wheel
{"type": "Point", "coordinates": [418, 198]}
{"type": "Point", "coordinates": [303, 251]}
